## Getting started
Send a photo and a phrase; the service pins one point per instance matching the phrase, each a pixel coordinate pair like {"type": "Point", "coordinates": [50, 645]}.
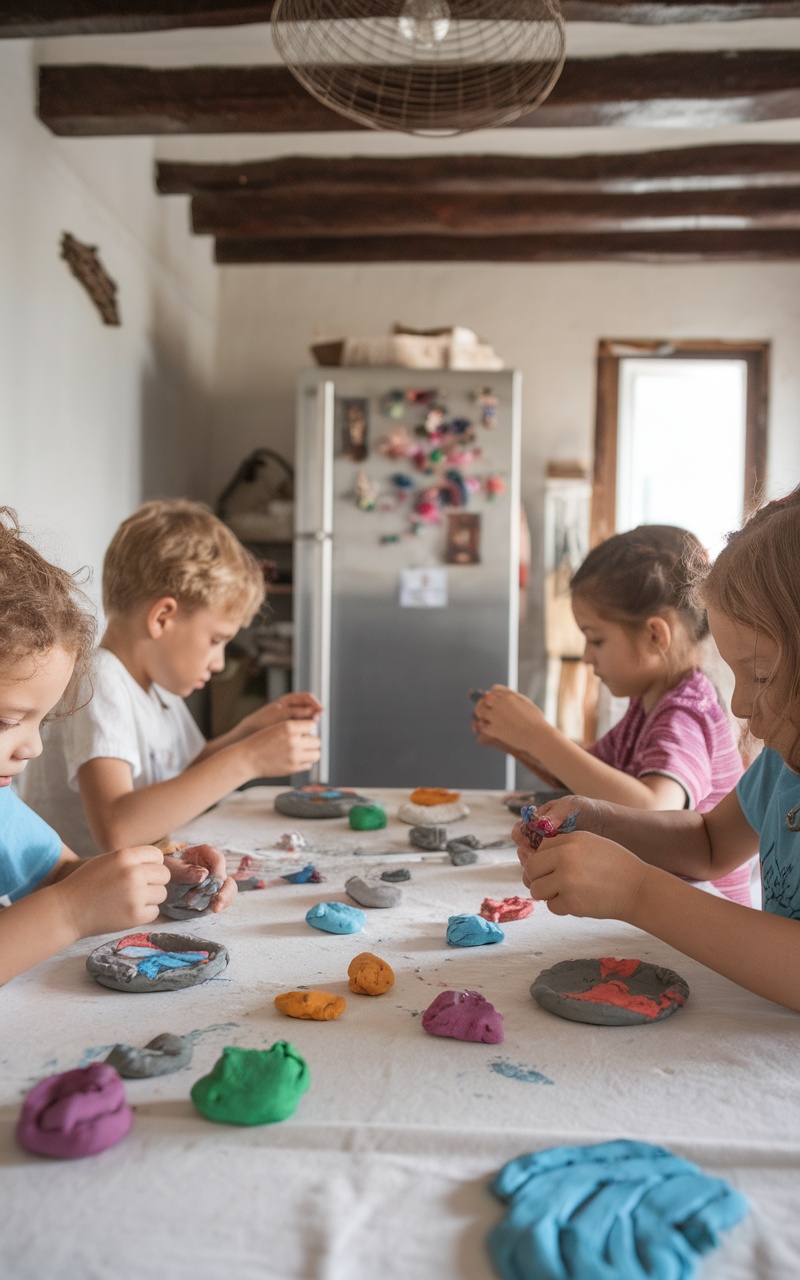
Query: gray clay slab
{"type": "Point", "coordinates": [317, 804]}
{"type": "Point", "coordinates": [393, 877]}
{"type": "Point", "coordinates": [161, 1056]}
{"type": "Point", "coordinates": [190, 901]}
{"type": "Point", "coordinates": [121, 973]}
{"type": "Point", "coordinates": [371, 893]}
{"type": "Point", "coordinates": [519, 799]}
{"type": "Point", "coordinates": [636, 996]}
{"type": "Point", "coordinates": [431, 838]}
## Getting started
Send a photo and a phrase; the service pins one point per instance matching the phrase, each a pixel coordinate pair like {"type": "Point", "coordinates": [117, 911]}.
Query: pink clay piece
{"type": "Point", "coordinates": [77, 1113]}
{"type": "Point", "coordinates": [463, 1015]}
{"type": "Point", "coordinates": [499, 910]}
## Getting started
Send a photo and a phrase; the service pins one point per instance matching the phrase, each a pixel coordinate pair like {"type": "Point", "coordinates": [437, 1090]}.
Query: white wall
{"type": "Point", "coordinates": [94, 418]}
{"type": "Point", "coordinates": [545, 320]}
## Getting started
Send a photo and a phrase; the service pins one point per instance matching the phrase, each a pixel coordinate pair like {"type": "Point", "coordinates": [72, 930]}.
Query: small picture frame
{"type": "Point", "coordinates": [463, 538]}
{"type": "Point", "coordinates": [355, 429]}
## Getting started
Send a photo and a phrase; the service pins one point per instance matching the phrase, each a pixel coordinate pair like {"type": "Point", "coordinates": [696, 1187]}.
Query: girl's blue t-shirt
{"type": "Point", "coordinates": [769, 794]}
{"type": "Point", "coordinates": [29, 849]}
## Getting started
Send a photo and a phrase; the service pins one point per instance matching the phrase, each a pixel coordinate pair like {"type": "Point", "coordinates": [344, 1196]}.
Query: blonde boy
{"type": "Point", "coordinates": [131, 764]}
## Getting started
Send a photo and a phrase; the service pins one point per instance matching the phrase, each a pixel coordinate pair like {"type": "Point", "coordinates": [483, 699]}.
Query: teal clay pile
{"type": "Point", "coordinates": [252, 1086]}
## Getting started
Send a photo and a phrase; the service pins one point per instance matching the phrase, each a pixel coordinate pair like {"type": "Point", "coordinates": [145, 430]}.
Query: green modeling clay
{"type": "Point", "coordinates": [367, 817]}
{"type": "Point", "coordinates": [252, 1086]}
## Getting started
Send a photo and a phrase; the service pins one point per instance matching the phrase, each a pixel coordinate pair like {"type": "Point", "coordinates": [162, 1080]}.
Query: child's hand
{"type": "Point", "coordinates": [574, 813]}
{"type": "Point", "coordinates": [289, 747]}
{"type": "Point", "coordinates": [508, 719]}
{"type": "Point", "coordinates": [115, 890]}
{"type": "Point", "coordinates": [291, 706]}
{"type": "Point", "coordinates": [196, 864]}
{"type": "Point", "coordinates": [584, 875]}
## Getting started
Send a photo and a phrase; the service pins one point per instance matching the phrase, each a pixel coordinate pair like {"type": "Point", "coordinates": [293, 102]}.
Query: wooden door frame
{"type": "Point", "coordinates": [609, 354]}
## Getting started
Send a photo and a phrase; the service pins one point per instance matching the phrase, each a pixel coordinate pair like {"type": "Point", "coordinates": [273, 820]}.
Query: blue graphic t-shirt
{"type": "Point", "coordinates": [768, 793]}
{"type": "Point", "coordinates": [29, 849]}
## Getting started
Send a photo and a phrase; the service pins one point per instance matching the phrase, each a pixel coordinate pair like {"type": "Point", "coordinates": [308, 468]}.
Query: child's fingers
{"type": "Point", "coordinates": [207, 858]}
{"type": "Point", "coordinates": [183, 872]}
{"type": "Point", "coordinates": [225, 896]}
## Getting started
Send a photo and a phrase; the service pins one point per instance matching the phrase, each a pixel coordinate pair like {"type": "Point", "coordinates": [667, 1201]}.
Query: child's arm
{"type": "Point", "coordinates": [586, 875]}
{"type": "Point", "coordinates": [510, 720]}
{"type": "Point", "coordinates": [119, 815]}
{"type": "Point", "coordinates": [704, 846]}
{"type": "Point", "coordinates": [291, 706]}
{"type": "Point", "coordinates": [79, 899]}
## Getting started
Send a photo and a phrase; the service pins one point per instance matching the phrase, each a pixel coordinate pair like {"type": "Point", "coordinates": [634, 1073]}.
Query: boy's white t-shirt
{"type": "Point", "coordinates": [152, 731]}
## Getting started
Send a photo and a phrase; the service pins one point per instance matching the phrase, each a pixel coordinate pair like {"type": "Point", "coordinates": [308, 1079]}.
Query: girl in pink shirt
{"type": "Point", "coordinates": [674, 747]}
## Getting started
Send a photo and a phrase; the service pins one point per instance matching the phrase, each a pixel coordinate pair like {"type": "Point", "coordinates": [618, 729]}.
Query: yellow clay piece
{"type": "Point", "coordinates": [369, 975]}
{"type": "Point", "coordinates": [429, 796]}
{"type": "Point", "coordinates": [322, 1006]}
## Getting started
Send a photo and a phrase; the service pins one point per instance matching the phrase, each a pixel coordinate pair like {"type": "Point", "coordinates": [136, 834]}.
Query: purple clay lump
{"type": "Point", "coordinates": [464, 1015]}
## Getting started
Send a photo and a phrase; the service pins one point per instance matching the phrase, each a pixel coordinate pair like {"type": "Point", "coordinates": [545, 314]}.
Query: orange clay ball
{"type": "Point", "coordinates": [429, 796]}
{"type": "Point", "coordinates": [319, 1005]}
{"type": "Point", "coordinates": [369, 975]}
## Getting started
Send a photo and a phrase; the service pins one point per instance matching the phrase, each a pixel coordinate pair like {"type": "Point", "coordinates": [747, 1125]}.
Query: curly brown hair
{"type": "Point", "coordinates": [41, 607]}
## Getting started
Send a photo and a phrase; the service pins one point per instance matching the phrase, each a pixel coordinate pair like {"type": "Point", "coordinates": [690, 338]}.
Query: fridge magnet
{"type": "Point", "coordinates": [426, 507]}
{"type": "Point", "coordinates": [422, 397]}
{"type": "Point", "coordinates": [395, 443]}
{"type": "Point", "coordinates": [434, 419]}
{"type": "Point", "coordinates": [355, 430]}
{"type": "Point", "coordinates": [393, 403]}
{"type": "Point", "coordinates": [494, 486]}
{"type": "Point", "coordinates": [366, 492]}
{"type": "Point", "coordinates": [487, 405]}
{"type": "Point", "coordinates": [463, 539]}
{"type": "Point", "coordinates": [423, 588]}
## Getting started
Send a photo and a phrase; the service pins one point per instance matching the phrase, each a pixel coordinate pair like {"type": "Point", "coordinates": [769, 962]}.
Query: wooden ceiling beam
{"type": "Point", "coordinates": [736, 165]}
{"type": "Point", "coordinates": [676, 89]}
{"type": "Point", "coordinates": [321, 215]}
{"type": "Point", "coordinates": [42, 18]}
{"type": "Point", "coordinates": [686, 246]}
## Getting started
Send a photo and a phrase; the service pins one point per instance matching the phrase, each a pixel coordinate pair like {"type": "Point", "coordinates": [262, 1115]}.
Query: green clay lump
{"type": "Point", "coordinates": [252, 1086]}
{"type": "Point", "coordinates": [367, 817]}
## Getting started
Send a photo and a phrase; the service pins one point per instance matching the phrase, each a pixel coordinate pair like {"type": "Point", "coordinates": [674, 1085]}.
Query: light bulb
{"type": "Point", "coordinates": [424, 23]}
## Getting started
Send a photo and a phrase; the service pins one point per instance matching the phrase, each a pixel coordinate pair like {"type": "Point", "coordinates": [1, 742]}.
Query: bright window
{"type": "Point", "coordinates": [681, 445]}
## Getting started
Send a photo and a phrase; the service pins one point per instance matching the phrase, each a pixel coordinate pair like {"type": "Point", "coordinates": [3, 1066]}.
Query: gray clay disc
{"type": "Point", "coordinates": [368, 893]}
{"type": "Point", "coordinates": [190, 901]}
{"type": "Point", "coordinates": [635, 992]}
{"type": "Point", "coordinates": [327, 803]}
{"type": "Point", "coordinates": [393, 877]}
{"type": "Point", "coordinates": [518, 799]}
{"type": "Point", "coordinates": [110, 968]}
{"type": "Point", "coordinates": [161, 1056]}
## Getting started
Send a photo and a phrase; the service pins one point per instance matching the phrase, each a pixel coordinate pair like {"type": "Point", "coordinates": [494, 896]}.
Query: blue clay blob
{"type": "Point", "coordinates": [472, 931]}
{"type": "Point", "coordinates": [301, 877]}
{"type": "Point", "coordinates": [336, 917]}
{"type": "Point", "coordinates": [622, 1209]}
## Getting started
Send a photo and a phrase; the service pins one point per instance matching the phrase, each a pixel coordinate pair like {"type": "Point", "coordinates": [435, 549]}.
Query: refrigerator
{"type": "Point", "coordinates": [406, 569]}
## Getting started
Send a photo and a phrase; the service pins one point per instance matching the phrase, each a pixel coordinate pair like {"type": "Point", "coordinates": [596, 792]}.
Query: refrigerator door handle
{"type": "Point", "coordinates": [321, 652]}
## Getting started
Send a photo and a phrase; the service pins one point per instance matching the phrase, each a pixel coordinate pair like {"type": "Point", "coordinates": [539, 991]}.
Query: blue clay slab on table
{"type": "Point", "coordinates": [336, 917]}
{"type": "Point", "coordinates": [616, 1210]}
{"type": "Point", "coordinates": [472, 931]}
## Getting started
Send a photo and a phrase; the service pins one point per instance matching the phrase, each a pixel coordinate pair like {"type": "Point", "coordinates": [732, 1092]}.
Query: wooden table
{"type": "Point", "coordinates": [382, 1172]}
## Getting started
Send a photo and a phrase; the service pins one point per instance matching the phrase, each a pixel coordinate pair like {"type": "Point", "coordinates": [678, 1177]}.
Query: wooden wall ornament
{"type": "Point", "coordinates": [86, 266]}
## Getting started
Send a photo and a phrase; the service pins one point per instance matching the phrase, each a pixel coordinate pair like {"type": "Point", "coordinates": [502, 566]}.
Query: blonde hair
{"type": "Point", "coordinates": [180, 549]}
{"type": "Point", "coordinates": [41, 607]}
{"type": "Point", "coordinates": [753, 581]}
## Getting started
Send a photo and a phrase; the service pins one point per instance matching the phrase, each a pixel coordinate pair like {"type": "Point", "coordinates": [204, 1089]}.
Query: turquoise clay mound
{"type": "Point", "coordinates": [252, 1086]}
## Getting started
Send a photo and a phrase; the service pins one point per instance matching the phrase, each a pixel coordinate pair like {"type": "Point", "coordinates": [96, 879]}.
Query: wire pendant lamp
{"type": "Point", "coordinates": [423, 66]}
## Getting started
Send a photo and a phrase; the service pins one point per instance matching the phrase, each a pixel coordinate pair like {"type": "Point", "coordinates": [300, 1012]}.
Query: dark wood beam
{"type": "Point", "coordinates": [40, 18]}
{"type": "Point", "coordinates": [736, 165]}
{"type": "Point", "coordinates": [666, 88]}
{"type": "Point", "coordinates": [321, 215]}
{"type": "Point", "coordinates": [686, 246]}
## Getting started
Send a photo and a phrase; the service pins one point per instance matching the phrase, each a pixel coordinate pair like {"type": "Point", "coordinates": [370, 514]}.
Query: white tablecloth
{"type": "Point", "coordinates": [382, 1172]}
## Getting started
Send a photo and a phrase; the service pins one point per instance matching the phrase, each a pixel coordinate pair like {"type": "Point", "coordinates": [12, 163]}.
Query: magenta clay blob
{"type": "Point", "coordinates": [76, 1113]}
{"type": "Point", "coordinates": [464, 1015]}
